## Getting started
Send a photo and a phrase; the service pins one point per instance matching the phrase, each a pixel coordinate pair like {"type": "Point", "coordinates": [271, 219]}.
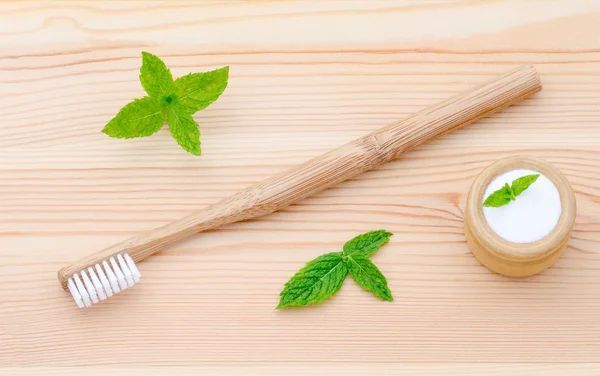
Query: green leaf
{"type": "Point", "coordinates": [168, 100]}
{"type": "Point", "coordinates": [522, 183]}
{"type": "Point", "coordinates": [184, 129]}
{"type": "Point", "coordinates": [140, 118]}
{"type": "Point", "coordinates": [197, 91]}
{"type": "Point", "coordinates": [499, 197]}
{"type": "Point", "coordinates": [507, 193]}
{"type": "Point", "coordinates": [367, 243]}
{"type": "Point", "coordinates": [320, 279]}
{"type": "Point", "coordinates": [156, 78]}
{"type": "Point", "coordinates": [368, 276]}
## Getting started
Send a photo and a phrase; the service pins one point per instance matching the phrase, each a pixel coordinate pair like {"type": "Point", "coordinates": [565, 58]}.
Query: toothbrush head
{"type": "Point", "coordinates": [109, 277]}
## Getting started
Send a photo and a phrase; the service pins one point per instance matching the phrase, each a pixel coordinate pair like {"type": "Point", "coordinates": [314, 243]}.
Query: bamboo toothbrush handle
{"type": "Point", "coordinates": [330, 168]}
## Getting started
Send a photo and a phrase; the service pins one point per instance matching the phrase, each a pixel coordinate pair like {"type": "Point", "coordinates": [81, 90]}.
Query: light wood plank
{"type": "Point", "coordinates": [306, 76]}
{"type": "Point", "coordinates": [446, 369]}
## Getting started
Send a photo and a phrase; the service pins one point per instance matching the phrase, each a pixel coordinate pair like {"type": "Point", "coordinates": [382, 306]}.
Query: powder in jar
{"type": "Point", "coordinates": [529, 218]}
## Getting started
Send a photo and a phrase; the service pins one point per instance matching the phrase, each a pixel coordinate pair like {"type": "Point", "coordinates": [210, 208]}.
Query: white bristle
{"type": "Point", "coordinates": [126, 271]}
{"type": "Point", "coordinates": [82, 291]}
{"type": "Point", "coordinates": [111, 277]}
{"type": "Point", "coordinates": [91, 286]}
{"type": "Point", "coordinates": [104, 280]}
{"type": "Point", "coordinates": [118, 273]}
{"type": "Point", "coordinates": [75, 293]}
{"type": "Point", "coordinates": [97, 284]}
{"type": "Point", "coordinates": [134, 270]}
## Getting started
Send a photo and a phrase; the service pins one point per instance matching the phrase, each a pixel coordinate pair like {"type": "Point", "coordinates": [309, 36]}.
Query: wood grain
{"type": "Point", "coordinates": [443, 369]}
{"type": "Point", "coordinates": [328, 169]}
{"type": "Point", "coordinates": [306, 76]}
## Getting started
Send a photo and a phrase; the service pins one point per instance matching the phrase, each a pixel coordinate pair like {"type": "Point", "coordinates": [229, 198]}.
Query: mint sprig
{"type": "Point", "coordinates": [508, 193]}
{"type": "Point", "coordinates": [368, 276]}
{"type": "Point", "coordinates": [322, 277]}
{"type": "Point", "coordinates": [168, 100]}
{"type": "Point", "coordinates": [367, 243]}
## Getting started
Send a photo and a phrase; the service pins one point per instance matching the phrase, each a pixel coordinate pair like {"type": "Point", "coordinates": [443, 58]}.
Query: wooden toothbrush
{"type": "Point", "coordinates": [104, 273]}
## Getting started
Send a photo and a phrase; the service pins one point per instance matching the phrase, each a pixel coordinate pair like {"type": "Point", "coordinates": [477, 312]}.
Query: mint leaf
{"type": "Point", "coordinates": [367, 243]}
{"type": "Point", "coordinates": [197, 91]}
{"type": "Point", "coordinates": [368, 276]}
{"type": "Point", "coordinates": [156, 78]}
{"type": "Point", "coordinates": [499, 197]}
{"type": "Point", "coordinates": [184, 129]}
{"type": "Point", "coordinates": [140, 118]}
{"type": "Point", "coordinates": [320, 279]}
{"type": "Point", "coordinates": [509, 193]}
{"type": "Point", "coordinates": [522, 183]}
{"type": "Point", "coordinates": [170, 101]}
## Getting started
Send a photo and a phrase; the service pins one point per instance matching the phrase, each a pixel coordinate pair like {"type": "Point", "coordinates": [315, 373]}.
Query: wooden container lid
{"type": "Point", "coordinates": [517, 259]}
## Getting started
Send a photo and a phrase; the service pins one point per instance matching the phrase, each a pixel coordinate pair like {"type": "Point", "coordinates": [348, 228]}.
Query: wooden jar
{"type": "Point", "coordinates": [517, 259]}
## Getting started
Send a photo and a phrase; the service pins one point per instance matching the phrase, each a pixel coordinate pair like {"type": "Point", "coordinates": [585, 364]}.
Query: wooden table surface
{"type": "Point", "coordinates": [306, 76]}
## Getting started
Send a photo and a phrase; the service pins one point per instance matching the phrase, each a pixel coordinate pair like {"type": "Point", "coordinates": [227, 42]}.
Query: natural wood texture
{"type": "Point", "coordinates": [307, 76]}
{"type": "Point", "coordinates": [504, 257]}
{"type": "Point", "coordinates": [331, 168]}
{"type": "Point", "coordinates": [443, 369]}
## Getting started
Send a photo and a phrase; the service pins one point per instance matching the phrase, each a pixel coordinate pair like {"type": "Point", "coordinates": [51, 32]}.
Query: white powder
{"type": "Point", "coordinates": [532, 216]}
